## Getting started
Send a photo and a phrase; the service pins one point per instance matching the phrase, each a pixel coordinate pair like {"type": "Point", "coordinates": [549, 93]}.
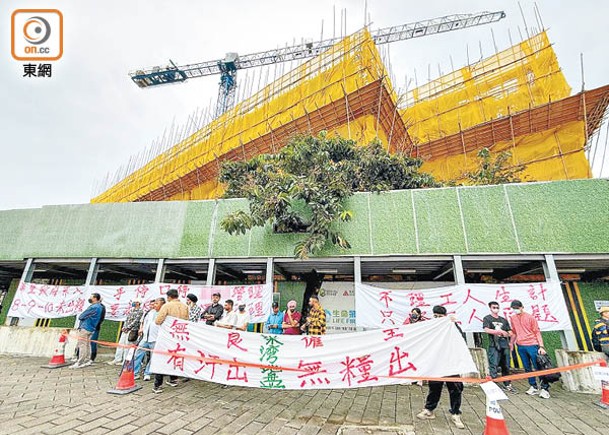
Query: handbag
{"type": "Point", "coordinates": [133, 334]}
{"type": "Point", "coordinates": [544, 363]}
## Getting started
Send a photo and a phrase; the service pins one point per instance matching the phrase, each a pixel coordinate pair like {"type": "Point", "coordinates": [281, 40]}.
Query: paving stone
{"type": "Point", "coordinates": [67, 401]}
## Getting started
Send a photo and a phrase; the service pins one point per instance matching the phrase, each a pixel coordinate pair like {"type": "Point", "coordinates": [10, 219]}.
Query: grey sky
{"type": "Point", "coordinates": [60, 135]}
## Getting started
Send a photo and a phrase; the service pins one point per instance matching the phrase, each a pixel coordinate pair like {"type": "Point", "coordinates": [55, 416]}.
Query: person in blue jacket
{"type": "Point", "coordinates": [89, 319]}
{"type": "Point", "coordinates": [275, 320]}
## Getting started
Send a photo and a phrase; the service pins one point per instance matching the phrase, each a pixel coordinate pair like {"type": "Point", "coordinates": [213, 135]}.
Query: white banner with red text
{"type": "Point", "coordinates": [383, 308]}
{"type": "Point", "coordinates": [42, 301]}
{"type": "Point", "coordinates": [51, 302]}
{"type": "Point", "coordinates": [350, 360]}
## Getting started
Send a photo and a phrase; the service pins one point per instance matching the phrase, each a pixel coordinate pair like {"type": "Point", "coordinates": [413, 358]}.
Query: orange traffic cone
{"type": "Point", "coordinates": [604, 402]}
{"type": "Point", "coordinates": [58, 359]}
{"type": "Point", "coordinates": [126, 379]}
{"type": "Point", "coordinates": [495, 424]}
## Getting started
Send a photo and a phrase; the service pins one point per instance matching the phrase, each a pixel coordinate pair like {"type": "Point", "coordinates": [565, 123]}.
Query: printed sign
{"type": "Point", "coordinates": [338, 300]}
{"type": "Point", "coordinates": [600, 304]}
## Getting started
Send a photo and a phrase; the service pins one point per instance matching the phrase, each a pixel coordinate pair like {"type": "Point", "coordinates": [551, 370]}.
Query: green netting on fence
{"type": "Point", "coordinates": [553, 217]}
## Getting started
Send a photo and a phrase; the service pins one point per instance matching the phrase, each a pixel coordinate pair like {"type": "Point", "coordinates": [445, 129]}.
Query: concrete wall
{"type": "Point", "coordinates": [18, 340]}
{"type": "Point", "coordinates": [581, 380]}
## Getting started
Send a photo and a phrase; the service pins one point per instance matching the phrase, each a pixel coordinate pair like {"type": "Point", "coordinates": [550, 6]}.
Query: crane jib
{"type": "Point", "coordinates": [228, 67]}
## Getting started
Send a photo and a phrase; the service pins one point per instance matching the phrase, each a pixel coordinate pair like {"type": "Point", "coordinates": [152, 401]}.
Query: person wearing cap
{"type": "Point", "coordinates": [291, 320]}
{"type": "Point", "coordinates": [600, 334]}
{"type": "Point", "coordinates": [194, 311]}
{"type": "Point", "coordinates": [527, 335]}
{"type": "Point", "coordinates": [213, 312]}
{"type": "Point", "coordinates": [131, 323]}
{"type": "Point", "coordinates": [275, 320]}
{"type": "Point", "coordinates": [243, 317]}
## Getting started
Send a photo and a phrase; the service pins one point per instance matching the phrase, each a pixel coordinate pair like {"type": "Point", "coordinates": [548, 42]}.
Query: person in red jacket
{"type": "Point", "coordinates": [526, 334]}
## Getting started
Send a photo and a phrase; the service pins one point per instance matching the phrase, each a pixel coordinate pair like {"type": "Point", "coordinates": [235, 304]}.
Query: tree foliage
{"type": "Point", "coordinates": [494, 170]}
{"type": "Point", "coordinates": [303, 187]}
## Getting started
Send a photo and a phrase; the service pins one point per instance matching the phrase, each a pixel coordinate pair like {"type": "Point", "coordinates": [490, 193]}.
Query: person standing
{"type": "Point", "coordinates": [213, 312]}
{"type": "Point", "coordinates": [243, 318]}
{"type": "Point", "coordinates": [88, 322]}
{"type": "Point", "coordinates": [600, 334]}
{"type": "Point", "coordinates": [229, 318]}
{"type": "Point", "coordinates": [316, 321]}
{"type": "Point", "coordinates": [526, 334]}
{"type": "Point", "coordinates": [455, 389]}
{"type": "Point", "coordinates": [95, 335]}
{"type": "Point", "coordinates": [274, 323]}
{"type": "Point", "coordinates": [128, 333]}
{"type": "Point", "coordinates": [179, 310]}
{"type": "Point", "coordinates": [291, 320]}
{"type": "Point", "coordinates": [194, 311]}
{"type": "Point", "coordinates": [148, 332]}
{"type": "Point", "coordinates": [499, 333]}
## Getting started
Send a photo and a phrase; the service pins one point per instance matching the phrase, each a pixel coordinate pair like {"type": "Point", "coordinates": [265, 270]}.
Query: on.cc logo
{"type": "Point", "coordinates": [36, 30]}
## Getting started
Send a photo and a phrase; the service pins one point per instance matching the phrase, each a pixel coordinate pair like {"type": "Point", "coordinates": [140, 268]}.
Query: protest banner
{"type": "Point", "coordinates": [350, 360]}
{"type": "Point", "coordinates": [42, 301]}
{"type": "Point", "coordinates": [51, 302]}
{"type": "Point", "coordinates": [382, 308]}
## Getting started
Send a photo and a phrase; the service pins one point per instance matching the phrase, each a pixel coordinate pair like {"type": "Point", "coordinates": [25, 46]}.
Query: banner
{"type": "Point", "coordinates": [350, 360]}
{"type": "Point", "coordinates": [338, 300]}
{"type": "Point", "coordinates": [381, 308]}
{"type": "Point", "coordinates": [43, 301]}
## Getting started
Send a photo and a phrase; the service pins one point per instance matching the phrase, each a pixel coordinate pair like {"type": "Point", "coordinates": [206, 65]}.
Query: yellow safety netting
{"type": "Point", "coordinates": [363, 130]}
{"type": "Point", "coordinates": [340, 71]}
{"type": "Point", "coordinates": [525, 75]}
{"type": "Point", "coordinates": [553, 154]}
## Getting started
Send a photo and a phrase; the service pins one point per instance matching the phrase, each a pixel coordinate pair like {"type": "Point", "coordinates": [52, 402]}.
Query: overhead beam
{"type": "Point", "coordinates": [444, 271]}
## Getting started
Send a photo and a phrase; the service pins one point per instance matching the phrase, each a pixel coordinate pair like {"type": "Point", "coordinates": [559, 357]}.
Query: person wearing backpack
{"type": "Point", "coordinates": [600, 333]}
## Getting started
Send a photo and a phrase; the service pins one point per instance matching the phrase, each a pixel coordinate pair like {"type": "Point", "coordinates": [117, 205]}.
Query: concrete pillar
{"type": "Point", "coordinates": [160, 271]}
{"type": "Point", "coordinates": [89, 280]}
{"type": "Point", "coordinates": [26, 276]}
{"type": "Point", "coordinates": [567, 337]}
{"type": "Point", "coordinates": [580, 380]}
{"type": "Point", "coordinates": [460, 279]}
{"type": "Point", "coordinates": [211, 272]}
{"type": "Point", "coordinates": [270, 273]}
{"type": "Point", "coordinates": [357, 279]}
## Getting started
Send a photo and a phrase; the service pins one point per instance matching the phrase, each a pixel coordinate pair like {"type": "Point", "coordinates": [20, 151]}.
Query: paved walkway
{"type": "Point", "coordinates": [64, 401]}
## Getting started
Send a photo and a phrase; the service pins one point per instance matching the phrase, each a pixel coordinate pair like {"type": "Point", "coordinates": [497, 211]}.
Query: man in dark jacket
{"type": "Point", "coordinates": [214, 311]}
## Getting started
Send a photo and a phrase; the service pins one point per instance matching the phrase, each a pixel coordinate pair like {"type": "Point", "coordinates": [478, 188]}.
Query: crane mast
{"type": "Point", "coordinates": [227, 68]}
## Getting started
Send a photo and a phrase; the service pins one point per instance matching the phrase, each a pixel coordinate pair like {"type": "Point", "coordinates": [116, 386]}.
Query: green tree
{"type": "Point", "coordinates": [303, 187]}
{"type": "Point", "coordinates": [495, 170]}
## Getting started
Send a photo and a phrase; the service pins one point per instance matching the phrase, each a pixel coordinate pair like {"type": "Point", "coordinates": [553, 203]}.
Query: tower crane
{"type": "Point", "coordinates": [232, 62]}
